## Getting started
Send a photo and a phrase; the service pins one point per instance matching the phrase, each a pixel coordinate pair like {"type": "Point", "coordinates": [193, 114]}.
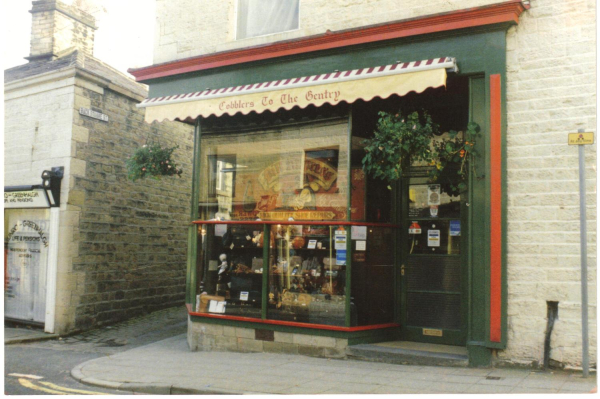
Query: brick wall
{"type": "Point", "coordinates": [132, 237]}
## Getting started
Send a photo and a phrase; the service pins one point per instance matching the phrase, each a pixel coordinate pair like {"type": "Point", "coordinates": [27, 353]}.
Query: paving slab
{"type": "Point", "coordinates": [13, 335]}
{"type": "Point", "coordinates": [176, 369]}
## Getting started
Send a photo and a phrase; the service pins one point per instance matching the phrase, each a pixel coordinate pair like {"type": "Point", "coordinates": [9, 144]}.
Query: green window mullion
{"type": "Point", "coordinates": [265, 273]}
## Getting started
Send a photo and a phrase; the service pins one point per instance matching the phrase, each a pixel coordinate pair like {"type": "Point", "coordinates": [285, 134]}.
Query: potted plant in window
{"type": "Point", "coordinates": [154, 161]}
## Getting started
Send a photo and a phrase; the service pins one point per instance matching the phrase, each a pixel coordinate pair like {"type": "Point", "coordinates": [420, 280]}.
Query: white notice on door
{"type": "Point", "coordinates": [433, 238]}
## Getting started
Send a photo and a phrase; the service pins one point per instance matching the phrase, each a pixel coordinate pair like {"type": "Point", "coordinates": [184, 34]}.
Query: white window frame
{"type": "Point", "coordinates": [236, 23]}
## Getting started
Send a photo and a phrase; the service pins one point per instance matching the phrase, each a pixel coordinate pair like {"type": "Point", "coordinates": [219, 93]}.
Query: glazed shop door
{"type": "Point", "coordinates": [432, 267]}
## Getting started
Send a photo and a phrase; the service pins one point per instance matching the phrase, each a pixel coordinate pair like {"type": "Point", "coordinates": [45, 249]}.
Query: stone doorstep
{"type": "Point", "coordinates": [423, 356]}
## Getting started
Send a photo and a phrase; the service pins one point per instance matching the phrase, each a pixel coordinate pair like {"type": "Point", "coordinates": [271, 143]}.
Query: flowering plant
{"type": "Point", "coordinates": [152, 161]}
{"type": "Point", "coordinates": [401, 142]}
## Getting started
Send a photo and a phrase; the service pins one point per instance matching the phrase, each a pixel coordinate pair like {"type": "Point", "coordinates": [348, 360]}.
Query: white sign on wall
{"type": "Point", "coordinates": [25, 199]}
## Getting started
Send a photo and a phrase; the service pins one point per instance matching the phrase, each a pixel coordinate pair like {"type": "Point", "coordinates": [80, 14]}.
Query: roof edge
{"type": "Point", "coordinates": [506, 12]}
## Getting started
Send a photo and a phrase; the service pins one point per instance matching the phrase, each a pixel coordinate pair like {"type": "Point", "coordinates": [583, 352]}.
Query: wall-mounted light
{"type": "Point", "coordinates": [51, 180]}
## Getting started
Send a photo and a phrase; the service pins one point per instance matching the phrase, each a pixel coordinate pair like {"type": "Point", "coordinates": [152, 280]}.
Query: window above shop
{"type": "Point", "coordinates": [265, 17]}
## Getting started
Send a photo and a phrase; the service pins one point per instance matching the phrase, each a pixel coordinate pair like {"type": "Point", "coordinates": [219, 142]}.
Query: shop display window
{"type": "Point", "coordinates": [299, 172]}
{"type": "Point", "coordinates": [307, 274]}
{"type": "Point", "coordinates": [230, 270]}
{"type": "Point", "coordinates": [284, 216]}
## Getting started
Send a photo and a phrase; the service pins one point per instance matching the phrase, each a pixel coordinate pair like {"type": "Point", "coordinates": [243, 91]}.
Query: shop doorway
{"type": "Point", "coordinates": [26, 248]}
{"type": "Point", "coordinates": [432, 262]}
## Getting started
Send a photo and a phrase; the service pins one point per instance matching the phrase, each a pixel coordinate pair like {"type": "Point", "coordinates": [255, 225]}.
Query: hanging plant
{"type": "Point", "coordinates": [451, 157]}
{"type": "Point", "coordinates": [152, 161]}
{"type": "Point", "coordinates": [399, 142]}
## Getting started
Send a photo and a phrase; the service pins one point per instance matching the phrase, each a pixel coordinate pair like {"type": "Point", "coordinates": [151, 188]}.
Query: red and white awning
{"type": "Point", "coordinates": [331, 88]}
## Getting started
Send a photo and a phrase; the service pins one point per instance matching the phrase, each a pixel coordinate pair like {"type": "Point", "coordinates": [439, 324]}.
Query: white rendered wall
{"type": "Point", "coordinates": [38, 136]}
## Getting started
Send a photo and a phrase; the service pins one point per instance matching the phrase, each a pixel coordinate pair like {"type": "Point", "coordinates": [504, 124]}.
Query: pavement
{"type": "Point", "coordinates": [169, 367]}
{"type": "Point", "coordinates": [18, 335]}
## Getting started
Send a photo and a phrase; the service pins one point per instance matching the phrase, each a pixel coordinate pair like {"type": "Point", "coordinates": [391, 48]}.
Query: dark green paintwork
{"type": "Point", "coordinates": [348, 315]}
{"type": "Point", "coordinates": [471, 49]}
{"type": "Point", "coordinates": [265, 274]}
{"type": "Point", "coordinates": [479, 53]}
{"type": "Point", "coordinates": [190, 292]}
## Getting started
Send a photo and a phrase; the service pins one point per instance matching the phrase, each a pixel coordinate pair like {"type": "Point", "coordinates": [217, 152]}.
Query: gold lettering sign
{"type": "Point", "coordinates": [310, 215]}
{"type": "Point", "coordinates": [432, 332]}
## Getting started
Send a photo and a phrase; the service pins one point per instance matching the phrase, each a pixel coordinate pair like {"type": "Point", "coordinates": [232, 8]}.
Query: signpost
{"type": "Point", "coordinates": [580, 138]}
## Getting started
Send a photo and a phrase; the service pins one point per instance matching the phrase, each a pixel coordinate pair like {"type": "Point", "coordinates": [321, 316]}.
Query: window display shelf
{"type": "Point", "coordinates": [297, 222]}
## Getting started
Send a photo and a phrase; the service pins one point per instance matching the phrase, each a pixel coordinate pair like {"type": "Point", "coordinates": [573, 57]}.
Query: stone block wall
{"type": "Point", "coordinates": [57, 27]}
{"type": "Point", "coordinates": [551, 87]}
{"type": "Point", "coordinates": [208, 337]}
{"type": "Point", "coordinates": [131, 238]}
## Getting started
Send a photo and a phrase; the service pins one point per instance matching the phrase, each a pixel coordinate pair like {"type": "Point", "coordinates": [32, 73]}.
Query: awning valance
{"type": "Point", "coordinates": [332, 88]}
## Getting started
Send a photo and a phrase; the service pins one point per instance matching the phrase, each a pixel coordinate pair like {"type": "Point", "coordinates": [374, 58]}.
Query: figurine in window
{"type": "Point", "coordinates": [223, 273]}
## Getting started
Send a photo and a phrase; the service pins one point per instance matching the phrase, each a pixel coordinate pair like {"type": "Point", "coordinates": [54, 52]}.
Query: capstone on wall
{"type": "Point", "coordinates": [550, 82]}
{"type": "Point", "coordinates": [132, 236]}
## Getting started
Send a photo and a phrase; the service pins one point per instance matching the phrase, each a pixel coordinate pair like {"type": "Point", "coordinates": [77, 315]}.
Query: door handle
{"type": "Point", "coordinates": [402, 270]}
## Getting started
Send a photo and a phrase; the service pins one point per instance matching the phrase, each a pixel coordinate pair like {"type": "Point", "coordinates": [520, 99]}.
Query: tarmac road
{"type": "Point", "coordinates": [43, 367]}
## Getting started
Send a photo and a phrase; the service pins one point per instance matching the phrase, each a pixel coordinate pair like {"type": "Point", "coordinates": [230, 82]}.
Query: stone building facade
{"type": "Point", "coordinates": [121, 244]}
{"type": "Point", "coordinates": [550, 90]}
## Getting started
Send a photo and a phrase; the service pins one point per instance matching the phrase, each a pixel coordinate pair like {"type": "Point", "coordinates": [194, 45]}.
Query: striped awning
{"type": "Point", "coordinates": [330, 88]}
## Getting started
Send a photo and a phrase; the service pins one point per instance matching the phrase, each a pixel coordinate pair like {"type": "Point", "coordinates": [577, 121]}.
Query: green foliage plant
{"type": "Point", "coordinates": [152, 161]}
{"type": "Point", "coordinates": [400, 142]}
{"type": "Point", "coordinates": [397, 142]}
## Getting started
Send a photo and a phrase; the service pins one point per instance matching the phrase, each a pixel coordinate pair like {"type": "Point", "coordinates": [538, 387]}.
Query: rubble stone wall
{"type": "Point", "coordinates": [131, 236]}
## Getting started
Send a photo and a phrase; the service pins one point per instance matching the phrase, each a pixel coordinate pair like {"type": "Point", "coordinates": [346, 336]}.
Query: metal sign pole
{"type": "Point", "coordinates": [584, 285]}
{"type": "Point", "coordinates": [582, 139]}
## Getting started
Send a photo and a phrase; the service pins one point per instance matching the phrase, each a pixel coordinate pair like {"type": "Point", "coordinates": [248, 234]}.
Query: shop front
{"type": "Point", "coordinates": [294, 247]}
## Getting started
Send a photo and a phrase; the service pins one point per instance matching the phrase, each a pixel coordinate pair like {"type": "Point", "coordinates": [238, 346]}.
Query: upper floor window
{"type": "Point", "coordinates": [264, 17]}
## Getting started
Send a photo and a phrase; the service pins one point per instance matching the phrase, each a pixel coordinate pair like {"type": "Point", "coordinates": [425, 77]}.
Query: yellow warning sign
{"type": "Point", "coordinates": [581, 138]}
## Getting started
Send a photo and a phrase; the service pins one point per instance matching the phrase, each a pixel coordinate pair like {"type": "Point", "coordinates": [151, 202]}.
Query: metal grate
{"type": "Point", "coordinates": [432, 273]}
{"type": "Point", "coordinates": [434, 310]}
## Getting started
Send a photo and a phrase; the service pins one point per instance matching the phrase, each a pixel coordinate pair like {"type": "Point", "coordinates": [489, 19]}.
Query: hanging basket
{"type": "Point", "coordinates": [153, 161]}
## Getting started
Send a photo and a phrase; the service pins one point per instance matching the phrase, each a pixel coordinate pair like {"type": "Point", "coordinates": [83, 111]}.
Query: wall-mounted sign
{"type": "Point", "coordinates": [93, 114]}
{"type": "Point", "coordinates": [581, 138]}
{"type": "Point", "coordinates": [25, 199]}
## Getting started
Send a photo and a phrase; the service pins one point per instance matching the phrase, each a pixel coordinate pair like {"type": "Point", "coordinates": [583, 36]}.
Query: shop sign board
{"type": "Point", "coordinates": [25, 199]}
{"type": "Point", "coordinates": [581, 138]}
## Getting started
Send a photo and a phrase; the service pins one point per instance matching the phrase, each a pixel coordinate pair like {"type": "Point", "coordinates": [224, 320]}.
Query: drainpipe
{"type": "Point", "coordinates": [552, 316]}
